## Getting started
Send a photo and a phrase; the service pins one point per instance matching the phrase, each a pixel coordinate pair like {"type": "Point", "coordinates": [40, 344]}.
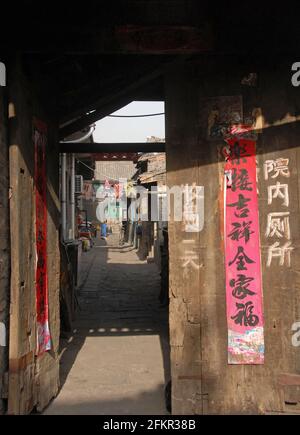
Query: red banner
{"type": "Point", "coordinates": [40, 181]}
{"type": "Point", "coordinates": [242, 254]}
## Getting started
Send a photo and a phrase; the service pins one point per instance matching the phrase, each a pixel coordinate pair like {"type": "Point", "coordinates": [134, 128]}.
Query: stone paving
{"type": "Point", "coordinates": [117, 361]}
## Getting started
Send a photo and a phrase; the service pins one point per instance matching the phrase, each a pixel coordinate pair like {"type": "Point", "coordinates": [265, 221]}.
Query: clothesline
{"type": "Point", "coordinates": [97, 172]}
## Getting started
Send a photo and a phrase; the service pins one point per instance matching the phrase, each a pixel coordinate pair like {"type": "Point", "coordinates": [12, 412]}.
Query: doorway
{"type": "Point", "coordinates": [115, 357]}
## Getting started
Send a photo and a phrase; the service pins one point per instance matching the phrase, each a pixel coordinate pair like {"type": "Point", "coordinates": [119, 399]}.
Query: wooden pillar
{"type": "Point", "coordinates": [185, 302]}
{"type": "Point", "coordinates": [33, 378]}
{"type": "Point", "coordinates": [202, 380]}
{"type": "Point", "coordinates": [4, 248]}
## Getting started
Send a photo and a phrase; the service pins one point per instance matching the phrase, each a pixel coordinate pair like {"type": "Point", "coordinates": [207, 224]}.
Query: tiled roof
{"type": "Point", "coordinates": [156, 168]}
{"type": "Point", "coordinates": [113, 170]}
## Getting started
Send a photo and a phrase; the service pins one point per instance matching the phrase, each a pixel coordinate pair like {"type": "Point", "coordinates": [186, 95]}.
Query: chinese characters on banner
{"type": "Point", "coordinates": [40, 182]}
{"type": "Point", "coordinates": [242, 254]}
{"type": "Point", "coordinates": [276, 172]}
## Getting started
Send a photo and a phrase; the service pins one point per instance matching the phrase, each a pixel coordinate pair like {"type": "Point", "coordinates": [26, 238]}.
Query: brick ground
{"type": "Point", "coordinates": [117, 362]}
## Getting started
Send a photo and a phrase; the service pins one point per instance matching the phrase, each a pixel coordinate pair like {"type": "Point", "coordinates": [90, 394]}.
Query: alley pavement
{"type": "Point", "coordinates": [117, 359]}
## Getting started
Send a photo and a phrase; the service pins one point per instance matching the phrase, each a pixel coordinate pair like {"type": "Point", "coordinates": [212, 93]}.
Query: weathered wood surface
{"type": "Point", "coordinates": [4, 247]}
{"type": "Point", "coordinates": [202, 381]}
{"type": "Point", "coordinates": [33, 380]}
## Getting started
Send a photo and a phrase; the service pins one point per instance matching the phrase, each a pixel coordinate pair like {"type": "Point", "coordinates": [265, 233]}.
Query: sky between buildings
{"type": "Point", "coordinates": [132, 129]}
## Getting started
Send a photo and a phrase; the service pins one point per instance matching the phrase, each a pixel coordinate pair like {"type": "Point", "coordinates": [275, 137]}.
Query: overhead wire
{"type": "Point", "coordinates": [97, 172]}
{"type": "Point", "coordinates": [136, 116]}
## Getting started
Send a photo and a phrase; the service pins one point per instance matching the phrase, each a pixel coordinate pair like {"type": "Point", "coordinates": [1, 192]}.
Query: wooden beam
{"type": "Point", "coordinates": [110, 103]}
{"type": "Point", "coordinates": [91, 118]}
{"type": "Point", "coordinates": [94, 147]}
{"type": "Point", "coordinates": [87, 97]}
{"type": "Point", "coordinates": [87, 120]}
{"type": "Point", "coordinates": [117, 39]}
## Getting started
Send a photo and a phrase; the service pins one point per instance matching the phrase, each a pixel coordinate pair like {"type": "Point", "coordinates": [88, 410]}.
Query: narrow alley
{"type": "Point", "coordinates": [117, 360]}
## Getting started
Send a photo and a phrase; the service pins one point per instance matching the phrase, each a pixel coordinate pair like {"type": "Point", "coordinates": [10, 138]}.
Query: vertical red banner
{"type": "Point", "coordinates": [242, 254]}
{"type": "Point", "coordinates": [40, 182]}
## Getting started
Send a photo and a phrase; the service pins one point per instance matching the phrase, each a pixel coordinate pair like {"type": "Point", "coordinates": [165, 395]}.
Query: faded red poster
{"type": "Point", "coordinates": [40, 183]}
